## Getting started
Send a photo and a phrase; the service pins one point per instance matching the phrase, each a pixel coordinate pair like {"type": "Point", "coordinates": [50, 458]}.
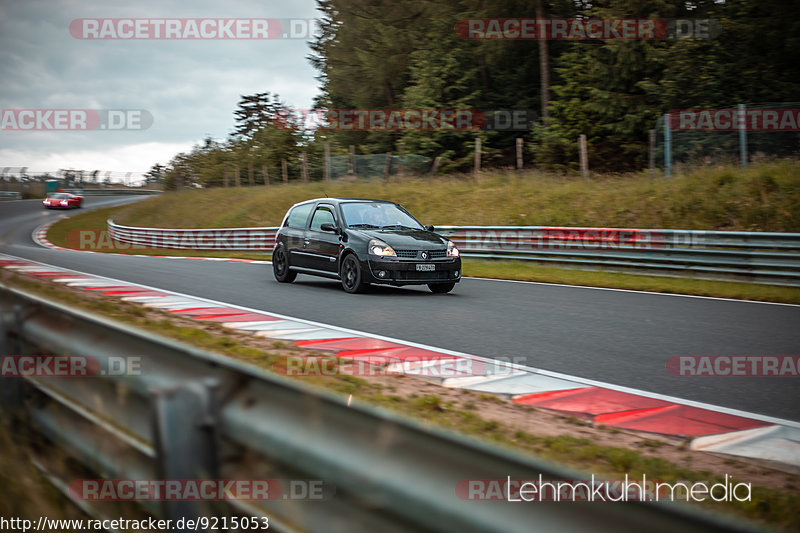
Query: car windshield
{"type": "Point", "coordinates": [377, 215]}
{"type": "Point", "coordinates": [59, 196]}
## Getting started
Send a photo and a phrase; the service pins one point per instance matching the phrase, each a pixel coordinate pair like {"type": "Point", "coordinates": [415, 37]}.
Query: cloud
{"type": "Point", "coordinates": [190, 87]}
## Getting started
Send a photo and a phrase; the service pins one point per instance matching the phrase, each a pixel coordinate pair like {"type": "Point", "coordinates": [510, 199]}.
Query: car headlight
{"type": "Point", "coordinates": [452, 251]}
{"type": "Point", "coordinates": [381, 249]}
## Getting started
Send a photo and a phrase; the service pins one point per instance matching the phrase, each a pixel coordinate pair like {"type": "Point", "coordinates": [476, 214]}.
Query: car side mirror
{"type": "Point", "coordinates": [429, 227]}
{"type": "Point", "coordinates": [329, 227]}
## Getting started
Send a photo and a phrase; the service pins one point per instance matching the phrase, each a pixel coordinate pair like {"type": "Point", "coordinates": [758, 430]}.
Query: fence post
{"type": "Point", "coordinates": [285, 171]}
{"type": "Point", "coordinates": [401, 161]}
{"type": "Point", "coordinates": [265, 173]}
{"type": "Point", "coordinates": [742, 136]}
{"type": "Point", "coordinates": [667, 147]}
{"type": "Point", "coordinates": [237, 179]}
{"type": "Point", "coordinates": [250, 176]}
{"type": "Point", "coordinates": [477, 155]}
{"type": "Point", "coordinates": [387, 167]}
{"type": "Point", "coordinates": [584, 156]}
{"type": "Point", "coordinates": [436, 162]}
{"type": "Point", "coordinates": [225, 178]}
{"type": "Point", "coordinates": [652, 159]}
{"type": "Point", "coordinates": [326, 167]}
{"type": "Point", "coordinates": [304, 161]}
{"type": "Point", "coordinates": [351, 164]}
{"type": "Point", "coordinates": [519, 153]}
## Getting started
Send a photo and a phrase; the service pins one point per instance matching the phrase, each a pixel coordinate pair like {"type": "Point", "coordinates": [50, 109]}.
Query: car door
{"type": "Point", "coordinates": [295, 232]}
{"type": "Point", "coordinates": [322, 246]}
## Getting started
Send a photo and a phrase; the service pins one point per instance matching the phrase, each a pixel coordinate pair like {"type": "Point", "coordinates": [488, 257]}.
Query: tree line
{"type": "Point", "coordinates": [383, 54]}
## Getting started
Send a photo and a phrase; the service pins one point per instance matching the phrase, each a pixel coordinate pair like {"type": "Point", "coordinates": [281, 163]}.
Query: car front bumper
{"type": "Point", "coordinates": [398, 272]}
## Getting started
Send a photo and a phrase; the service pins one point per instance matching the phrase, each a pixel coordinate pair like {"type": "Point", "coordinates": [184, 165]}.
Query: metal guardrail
{"type": "Point", "coordinates": [191, 414]}
{"type": "Point", "coordinates": [10, 195]}
{"type": "Point", "coordinates": [261, 239]}
{"type": "Point", "coordinates": [111, 192]}
{"type": "Point", "coordinates": [759, 257]}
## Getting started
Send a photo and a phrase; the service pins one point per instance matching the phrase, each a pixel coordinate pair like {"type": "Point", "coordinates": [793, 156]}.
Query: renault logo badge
{"type": "Point", "coordinates": [425, 255]}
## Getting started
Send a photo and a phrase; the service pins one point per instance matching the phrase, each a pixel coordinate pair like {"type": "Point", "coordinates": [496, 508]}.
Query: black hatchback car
{"type": "Point", "coordinates": [360, 242]}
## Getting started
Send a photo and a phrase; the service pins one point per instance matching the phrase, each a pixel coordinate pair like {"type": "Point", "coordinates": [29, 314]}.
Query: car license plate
{"type": "Point", "coordinates": [426, 267]}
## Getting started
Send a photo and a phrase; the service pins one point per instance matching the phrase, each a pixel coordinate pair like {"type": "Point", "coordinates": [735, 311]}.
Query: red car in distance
{"type": "Point", "coordinates": [62, 200]}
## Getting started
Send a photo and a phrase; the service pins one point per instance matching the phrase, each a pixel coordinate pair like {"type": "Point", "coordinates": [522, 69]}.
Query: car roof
{"type": "Point", "coordinates": [345, 200]}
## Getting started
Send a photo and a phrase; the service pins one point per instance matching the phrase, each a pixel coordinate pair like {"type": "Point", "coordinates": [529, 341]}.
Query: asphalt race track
{"type": "Point", "coordinates": [619, 337]}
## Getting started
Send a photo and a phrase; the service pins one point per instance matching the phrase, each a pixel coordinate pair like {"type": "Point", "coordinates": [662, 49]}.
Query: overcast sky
{"type": "Point", "coordinates": [191, 87]}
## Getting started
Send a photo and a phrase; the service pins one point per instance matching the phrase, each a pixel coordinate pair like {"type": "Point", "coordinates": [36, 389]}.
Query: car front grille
{"type": "Point", "coordinates": [413, 254]}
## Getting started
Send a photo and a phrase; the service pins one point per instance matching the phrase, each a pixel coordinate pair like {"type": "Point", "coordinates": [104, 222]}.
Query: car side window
{"type": "Point", "coordinates": [323, 215]}
{"type": "Point", "coordinates": [298, 216]}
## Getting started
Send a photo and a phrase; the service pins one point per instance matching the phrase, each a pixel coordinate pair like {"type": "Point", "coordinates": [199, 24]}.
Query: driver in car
{"type": "Point", "coordinates": [376, 216]}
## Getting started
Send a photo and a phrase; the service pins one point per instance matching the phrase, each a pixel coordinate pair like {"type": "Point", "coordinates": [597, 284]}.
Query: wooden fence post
{"type": "Point", "coordinates": [326, 167]}
{"type": "Point", "coordinates": [285, 170]}
{"type": "Point", "coordinates": [401, 162]}
{"type": "Point", "coordinates": [387, 167]}
{"type": "Point", "coordinates": [584, 156]}
{"type": "Point", "coordinates": [477, 155]}
{"type": "Point", "coordinates": [436, 162]}
{"type": "Point", "coordinates": [351, 164]}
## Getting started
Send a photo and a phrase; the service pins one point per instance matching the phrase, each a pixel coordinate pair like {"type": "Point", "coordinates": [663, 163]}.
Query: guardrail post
{"type": "Point", "coordinates": [187, 440]}
{"type": "Point", "coordinates": [11, 393]}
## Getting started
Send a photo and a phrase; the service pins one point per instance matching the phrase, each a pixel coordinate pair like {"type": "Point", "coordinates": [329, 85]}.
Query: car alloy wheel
{"type": "Point", "coordinates": [351, 275]}
{"type": "Point", "coordinates": [280, 266]}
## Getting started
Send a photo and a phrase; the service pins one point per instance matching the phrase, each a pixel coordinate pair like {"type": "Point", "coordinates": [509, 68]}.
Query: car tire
{"type": "Point", "coordinates": [280, 265]}
{"type": "Point", "coordinates": [352, 278]}
{"type": "Point", "coordinates": [441, 288]}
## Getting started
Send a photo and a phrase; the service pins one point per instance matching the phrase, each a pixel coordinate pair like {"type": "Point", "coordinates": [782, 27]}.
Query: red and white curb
{"type": "Point", "coordinates": [711, 428]}
{"type": "Point", "coordinates": [39, 236]}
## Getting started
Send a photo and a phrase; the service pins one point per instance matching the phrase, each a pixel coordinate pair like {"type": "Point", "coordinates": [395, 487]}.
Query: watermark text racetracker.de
{"type": "Point", "coordinates": [727, 366]}
{"type": "Point", "coordinates": [68, 366]}
{"type": "Point", "coordinates": [212, 239]}
{"type": "Point", "coordinates": [763, 120]}
{"type": "Point", "coordinates": [596, 489]}
{"type": "Point", "coordinates": [200, 489]}
{"type": "Point", "coordinates": [534, 238]}
{"type": "Point", "coordinates": [585, 29]}
{"type": "Point", "coordinates": [142, 29]}
{"type": "Point", "coordinates": [422, 119]}
{"type": "Point", "coordinates": [75, 119]}
{"type": "Point", "coordinates": [432, 365]}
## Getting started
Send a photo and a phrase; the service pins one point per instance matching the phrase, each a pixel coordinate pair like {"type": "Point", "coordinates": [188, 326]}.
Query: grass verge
{"type": "Point", "coordinates": [763, 197]}
{"type": "Point", "coordinates": [565, 440]}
